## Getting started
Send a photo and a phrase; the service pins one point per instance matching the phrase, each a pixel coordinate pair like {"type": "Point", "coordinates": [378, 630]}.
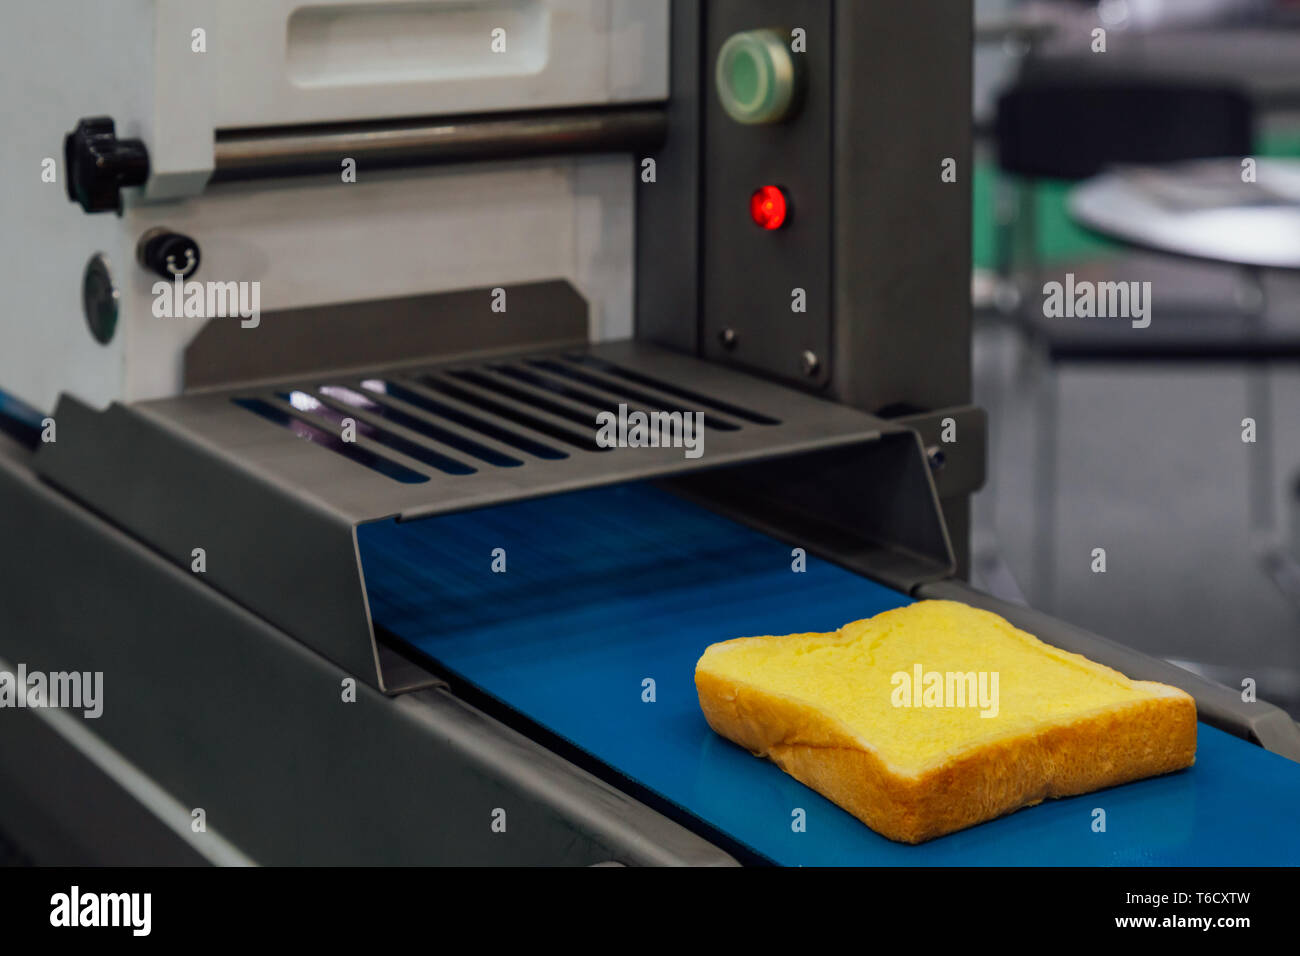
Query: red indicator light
{"type": "Point", "coordinates": [768, 207]}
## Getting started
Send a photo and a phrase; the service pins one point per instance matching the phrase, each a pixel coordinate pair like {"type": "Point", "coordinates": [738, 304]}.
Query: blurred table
{"type": "Point", "coordinates": [1201, 209]}
{"type": "Point", "coordinates": [1206, 210]}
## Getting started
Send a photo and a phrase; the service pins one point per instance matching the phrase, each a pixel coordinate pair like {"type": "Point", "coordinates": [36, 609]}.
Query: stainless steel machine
{"type": "Point", "coordinates": [299, 448]}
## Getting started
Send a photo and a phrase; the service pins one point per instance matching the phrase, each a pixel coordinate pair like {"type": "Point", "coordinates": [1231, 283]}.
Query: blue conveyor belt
{"type": "Point", "coordinates": [608, 587]}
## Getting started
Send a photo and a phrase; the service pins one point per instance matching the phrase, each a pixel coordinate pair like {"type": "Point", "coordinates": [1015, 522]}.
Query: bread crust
{"type": "Point", "coordinates": [1104, 748]}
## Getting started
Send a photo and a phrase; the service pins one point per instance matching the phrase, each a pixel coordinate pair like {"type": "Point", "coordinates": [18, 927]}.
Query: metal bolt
{"type": "Point", "coordinates": [811, 363]}
{"type": "Point", "coordinates": [728, 338]}
{"type": "Point", "coordinates": [936, 457]}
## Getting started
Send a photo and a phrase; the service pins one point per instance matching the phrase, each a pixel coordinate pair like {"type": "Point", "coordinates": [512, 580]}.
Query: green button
{"type": "Point", "coordinates": [756, 77]}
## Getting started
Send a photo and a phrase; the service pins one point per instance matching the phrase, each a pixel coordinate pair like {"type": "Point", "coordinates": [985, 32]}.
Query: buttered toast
{"type": "Point", "coordinates": [936, 716]}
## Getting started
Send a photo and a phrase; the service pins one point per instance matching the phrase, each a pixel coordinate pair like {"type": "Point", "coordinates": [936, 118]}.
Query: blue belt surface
{"type": "Point", "coordinates": [607, 588]}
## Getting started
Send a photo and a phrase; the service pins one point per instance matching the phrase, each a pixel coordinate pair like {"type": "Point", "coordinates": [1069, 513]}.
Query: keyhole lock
{"type": "Point", "coordinates": [167, 253]}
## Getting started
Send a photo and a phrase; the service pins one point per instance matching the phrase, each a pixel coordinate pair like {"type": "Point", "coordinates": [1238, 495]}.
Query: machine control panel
{"type": "Point", "coordinates": [766, 185]}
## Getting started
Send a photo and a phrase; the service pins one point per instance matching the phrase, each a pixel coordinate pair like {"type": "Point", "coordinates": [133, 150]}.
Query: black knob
{"type": "Point", "coordinates": [98, 164]}
{"type": "Point", "coordinates": [170, 254]}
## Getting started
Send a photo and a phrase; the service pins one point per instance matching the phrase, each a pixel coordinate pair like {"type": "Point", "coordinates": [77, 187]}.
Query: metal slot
{"type": "Point", "coordinates": [508, 411]}
{"type": "Point", "coordinates": [590, 399]}
{"type": "Point", "coordinates": [319, 436]}
{"type": "Point", "coordinates": [631, 376]}
{"type": "Point", "coordinates": [411, 396]}
{"type": "Point", "coordinates": [305, 402]}
{"type": "Point", "coordinates": [614, 389]}
{"type": "Point", "coordinates": [578, 416]}
{"type": "Point", "coordinates": [356, 401]}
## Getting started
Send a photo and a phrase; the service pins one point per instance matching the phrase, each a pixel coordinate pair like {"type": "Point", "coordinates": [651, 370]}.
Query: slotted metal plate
{"type": "Point", "coordinates": [466, 434]}
{"type": "Point", "coordinates": [272, 481]}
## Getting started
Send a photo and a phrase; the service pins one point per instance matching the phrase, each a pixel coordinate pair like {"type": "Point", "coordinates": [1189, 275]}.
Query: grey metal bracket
{"type": "Point", "coordinates": [960, 465]}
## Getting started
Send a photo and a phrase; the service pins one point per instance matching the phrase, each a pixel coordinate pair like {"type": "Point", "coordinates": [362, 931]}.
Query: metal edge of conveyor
{"type": "Point", "coordinates": [1222, 707]}
{"type": "Point", "coordinates": [171, 649]}
{"type": "Point", "coordinates": [55, 767]}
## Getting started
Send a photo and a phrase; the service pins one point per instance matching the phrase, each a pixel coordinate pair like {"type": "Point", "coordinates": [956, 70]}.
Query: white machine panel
{"type": "Point", "coordinates": [288, 62]}
{"type": "Point", "coordinates": [315, 240]}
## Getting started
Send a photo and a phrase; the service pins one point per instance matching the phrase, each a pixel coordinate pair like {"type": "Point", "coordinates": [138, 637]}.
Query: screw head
{"type": "Point", "coordinates": [728, 338]}
{"type": "Point", "coordinates": [810, 362]}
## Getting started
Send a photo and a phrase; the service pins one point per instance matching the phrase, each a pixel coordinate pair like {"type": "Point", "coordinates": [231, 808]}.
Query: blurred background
{"type": "Point", "coordinates": [1118, 156]}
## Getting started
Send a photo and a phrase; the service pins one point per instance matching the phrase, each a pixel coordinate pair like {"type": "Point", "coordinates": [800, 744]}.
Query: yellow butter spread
{"type": "Point", "coordinates": [922, 683]}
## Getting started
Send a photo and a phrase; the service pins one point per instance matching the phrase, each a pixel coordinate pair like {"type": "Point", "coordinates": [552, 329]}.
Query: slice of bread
{"type": "Point", "coordinates": [937, 716]}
